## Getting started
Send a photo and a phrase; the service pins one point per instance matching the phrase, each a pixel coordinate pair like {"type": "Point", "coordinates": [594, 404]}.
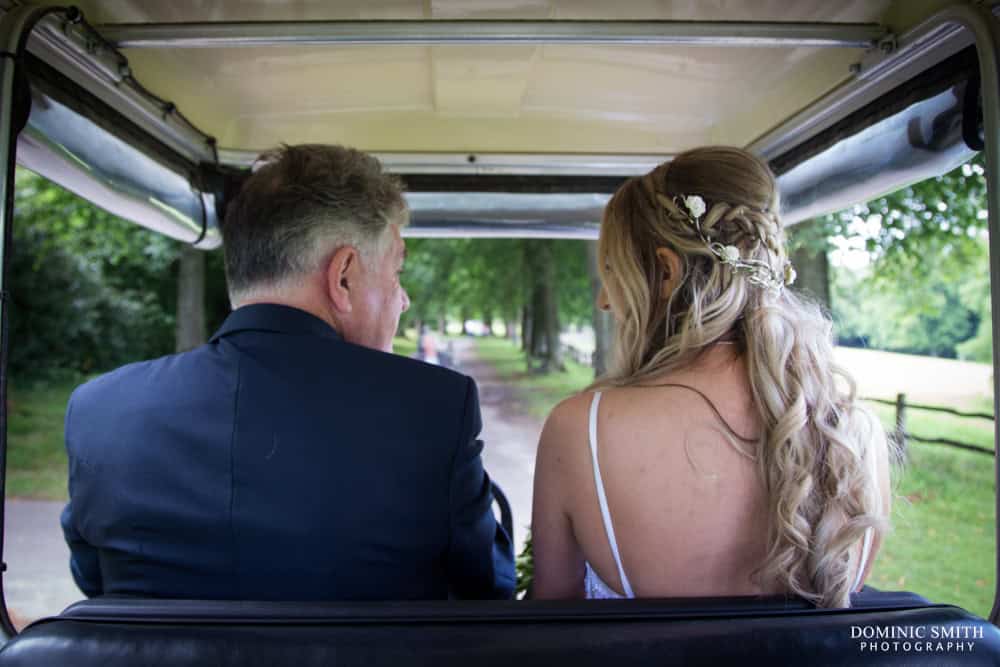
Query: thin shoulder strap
{"type": "Point", "coordinates": [603, 499]}
{"type": "Point", "coordinates": [866, 546]}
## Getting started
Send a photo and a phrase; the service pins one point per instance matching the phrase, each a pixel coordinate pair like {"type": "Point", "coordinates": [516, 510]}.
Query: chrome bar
{"type": "Point", "coordinates": [478, 230]}
{"type": "Point", "coordinates": [916, 143]}
{"type": "Point", "coordinates": [299, 33]}
{"type": "Point", "coordinates": [521, 164]}
{"type": "Point", "coordinates": [67, 148]}
{"type": "Point", "coordinates": [505, 215]}
{"type": "Point", "coordinates": [105, 74]}
{"type": "Point", "coordinates": [924, 45]}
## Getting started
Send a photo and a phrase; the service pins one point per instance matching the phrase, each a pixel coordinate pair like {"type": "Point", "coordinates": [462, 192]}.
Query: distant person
{"type": "Point", "coordinates": [429, 350]}
{"type": "Point", "coordinates": [291, 457]}
{"type": "Point", "coordinates": [724, 453]}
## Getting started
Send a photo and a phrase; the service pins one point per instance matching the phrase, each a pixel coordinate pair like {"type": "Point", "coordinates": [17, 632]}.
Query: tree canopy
{"type": "Point", "coordinates": [926, 287]}
{"type": "Point", "coordinates": [90, 291]}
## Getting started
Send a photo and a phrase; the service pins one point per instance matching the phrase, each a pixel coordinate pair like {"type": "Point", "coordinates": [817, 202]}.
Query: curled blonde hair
{"type": "Point", "coordinates": [816, 445]}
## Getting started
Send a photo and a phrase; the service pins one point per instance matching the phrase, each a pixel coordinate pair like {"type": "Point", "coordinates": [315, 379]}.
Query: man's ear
{"type": "Point", "coordinates": [671, 263]}
{"type": "Point", "coordinates": [341, 274]}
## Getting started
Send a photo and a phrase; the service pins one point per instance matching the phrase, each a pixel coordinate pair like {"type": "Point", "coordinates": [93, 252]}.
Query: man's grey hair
{"type": "Point", "coordinates": [300, 204]}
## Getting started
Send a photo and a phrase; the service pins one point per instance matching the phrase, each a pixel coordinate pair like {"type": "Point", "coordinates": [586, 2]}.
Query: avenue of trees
{"type": "Point", "coordinates": [91, 291]}
{"type": "Point", "coordinates": [529, 289]}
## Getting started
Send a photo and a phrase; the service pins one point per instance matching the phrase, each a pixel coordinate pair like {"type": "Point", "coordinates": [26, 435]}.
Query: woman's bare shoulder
{"type": "Point", "coordinates": [562, 447]}
{"type": "Point", "coordinates": [569, 418]}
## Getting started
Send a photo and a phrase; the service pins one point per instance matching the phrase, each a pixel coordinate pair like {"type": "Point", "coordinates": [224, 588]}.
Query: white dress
{"type": "Point", "coordinates": [594, 585]}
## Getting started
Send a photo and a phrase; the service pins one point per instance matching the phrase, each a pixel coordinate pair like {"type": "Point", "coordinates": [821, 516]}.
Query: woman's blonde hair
{"type": "Point", "coordinates": [816, 446]}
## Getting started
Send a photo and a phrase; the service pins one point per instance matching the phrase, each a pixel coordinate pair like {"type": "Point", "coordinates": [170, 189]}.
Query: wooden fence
{"type": "Point", "coordinates": [902, 435]}
{"type": "Point", "coordinates": [900, 432]}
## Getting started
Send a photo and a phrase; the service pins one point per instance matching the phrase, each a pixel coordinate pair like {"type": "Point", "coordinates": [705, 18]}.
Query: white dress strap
{"type": "Point", "coordinates": [602, 498]}
{"type": "Point", "coordinates": [866, 546]}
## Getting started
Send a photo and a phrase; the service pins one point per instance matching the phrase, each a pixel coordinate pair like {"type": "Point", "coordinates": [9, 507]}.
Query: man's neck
{"type": "Point", "coordinates": [301, 302]}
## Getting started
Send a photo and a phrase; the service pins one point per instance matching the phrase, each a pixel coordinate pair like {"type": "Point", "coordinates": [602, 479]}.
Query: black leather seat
{"type": "Point", "coordinates": [110, 632]}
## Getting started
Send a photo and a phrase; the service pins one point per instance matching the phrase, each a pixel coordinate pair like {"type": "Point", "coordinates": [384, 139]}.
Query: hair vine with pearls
{"type": "Point", "coordinates": [691, 208]}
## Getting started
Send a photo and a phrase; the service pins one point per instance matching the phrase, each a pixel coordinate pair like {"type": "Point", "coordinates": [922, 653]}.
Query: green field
{"type": "Point", "coordinates": [942, 544]}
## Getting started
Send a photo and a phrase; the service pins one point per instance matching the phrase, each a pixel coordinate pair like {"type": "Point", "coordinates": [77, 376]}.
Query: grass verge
{"type": "Point", "coordinates": [36, 456]}
{"type": "Point", "coordinates": [540, 393]}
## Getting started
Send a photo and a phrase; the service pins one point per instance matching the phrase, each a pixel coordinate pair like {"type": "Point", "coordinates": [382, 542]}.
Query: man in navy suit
{"type": "Point", "coordinates": [292, 456]}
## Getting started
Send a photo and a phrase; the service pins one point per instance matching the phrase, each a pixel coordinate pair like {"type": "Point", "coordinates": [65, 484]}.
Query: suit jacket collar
{"type": "Point", "coordinates": [274, 318]}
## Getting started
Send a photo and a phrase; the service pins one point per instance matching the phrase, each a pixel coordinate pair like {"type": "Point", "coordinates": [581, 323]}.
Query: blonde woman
{"type": "Point", "coordinates": [724, 453]}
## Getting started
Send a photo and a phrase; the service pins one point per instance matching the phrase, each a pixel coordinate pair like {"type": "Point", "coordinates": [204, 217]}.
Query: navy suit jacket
{"type": "Point", "coordinates": [280, 462]}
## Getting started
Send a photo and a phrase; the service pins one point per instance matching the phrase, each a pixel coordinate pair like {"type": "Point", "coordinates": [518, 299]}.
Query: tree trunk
{"type": "Point", "coordinates": [550, 304]}
{"type": "Point", "coordinates": [190, 332]}
{"type": "Point", "coordinates": [600, 320]}
{"type": "Point", "coordinates": [813, 269]}
{"type": "Point", "coordinates": [525, 326]}
{"type": "Point", "coordinates": [542, 336]}
{"type": "Point", "coordinates": [536, 348]}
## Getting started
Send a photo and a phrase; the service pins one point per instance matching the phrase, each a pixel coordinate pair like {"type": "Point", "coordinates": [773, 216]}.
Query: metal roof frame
{"type": "Point", "coordinates": [440, 31]}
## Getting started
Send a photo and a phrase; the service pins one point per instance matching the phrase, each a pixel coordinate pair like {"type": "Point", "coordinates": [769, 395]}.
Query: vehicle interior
{"type": "Point", "coordinates": [503, 120]}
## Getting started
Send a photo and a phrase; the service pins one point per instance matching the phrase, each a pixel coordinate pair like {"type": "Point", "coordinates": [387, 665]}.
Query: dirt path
{"type": "Point", "coordinates": [37, 582]}
{"type": "Point", "coordinates": [510, 437]}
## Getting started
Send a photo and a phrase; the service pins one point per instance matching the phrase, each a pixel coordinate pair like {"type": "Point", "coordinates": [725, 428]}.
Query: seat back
{"type": "Point", "coordinates": [881, 628]}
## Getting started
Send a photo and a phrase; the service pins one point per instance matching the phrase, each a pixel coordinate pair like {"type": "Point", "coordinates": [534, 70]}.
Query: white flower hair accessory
{"type": "Point", "coordinates": [695, 205]}
{"type": "Point", "coordinates": [757, 272]}
{"type": "Point", "coordinates": [790, 274]}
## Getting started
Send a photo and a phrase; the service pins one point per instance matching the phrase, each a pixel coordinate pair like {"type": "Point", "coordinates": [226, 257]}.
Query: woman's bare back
{"type": "Point", "coordinates": [685, 500]}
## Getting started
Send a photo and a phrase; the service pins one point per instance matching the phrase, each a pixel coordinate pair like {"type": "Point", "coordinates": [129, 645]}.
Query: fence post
{"type": "Point", "coordinates": [901, 426]}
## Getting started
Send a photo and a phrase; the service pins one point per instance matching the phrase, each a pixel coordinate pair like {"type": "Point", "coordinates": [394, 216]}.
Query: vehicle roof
{"type": "Point", "coordinates": [615, 99]}
{"type": "Point", "coordinates": [547, 88]}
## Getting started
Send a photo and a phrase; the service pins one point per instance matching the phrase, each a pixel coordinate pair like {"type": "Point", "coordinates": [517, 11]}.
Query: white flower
{"type": "Point", "coordinates": [695, 205]}
{"type": "Point", "coordinates": [790, 274]}
{"type": "Point", "coordinates": [730, 254]}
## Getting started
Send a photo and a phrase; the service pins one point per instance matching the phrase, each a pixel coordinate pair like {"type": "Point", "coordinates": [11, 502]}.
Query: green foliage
{"type": "Point", "coordinates": [537, 394]}
{"type": "Point", "coordinates": [524, 565]}
{"type": "Point", "coordinates": [65, 316]}
{"type": "Point", "coordinates": [489, 278]}
{"type": "Point", "coordinates": [575, 302]}
{"type": "Point", "coordinates": [930, 317]}
{"type": "Point", "coordinates": [64, 221]}
{"type": "Point", "coordinates": [942, 543]}
{"type": "Point", "coordinates": [975, 293]}
{"type": "Point", "coordinates": [918, 231]}
{"type": "Point", "coordinates": [36, 455]}
{"type": "Point", "coordinates": [404, 347]}
{"type": "Point", "coordinates": [926, 289]}
{"type": "Point", "coordinates": [90, 291]}
{"type": "Point", "coordinates": [463, 277]}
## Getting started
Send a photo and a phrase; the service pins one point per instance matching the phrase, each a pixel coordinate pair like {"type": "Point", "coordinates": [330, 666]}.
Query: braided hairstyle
{"type": "Point", "coordinates": [814, 453]}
